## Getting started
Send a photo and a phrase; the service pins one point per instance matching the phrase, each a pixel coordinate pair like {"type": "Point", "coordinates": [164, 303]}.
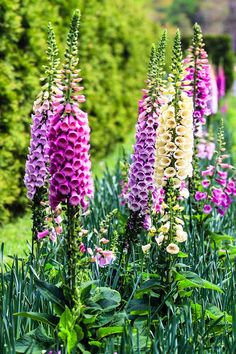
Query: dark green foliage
{"type": "Point", "coordinates": [114, 41]}
{"type": "Point", "coordinates": [219, 49]}
{"type": "Point", "coordinates": [182, 13]}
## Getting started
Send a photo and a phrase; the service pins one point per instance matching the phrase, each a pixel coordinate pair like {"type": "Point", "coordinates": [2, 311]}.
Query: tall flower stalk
{"type": "Point", "coordinates": [140, 183]}
{"type": "Point", "coordinates": [174, 150]}
{"type": "Point", "coordinates": [213, 103]}
{"type": "Point", "coordinates": [37, 171]}
{"type": "Point", "coordinates": [198, 73]}
{"type": "Point", "coordinates": [70, 167]}
{"type": "Point", "coordinates": [199, 77]}
{"type": "Point", "coordinates": [221, 82]}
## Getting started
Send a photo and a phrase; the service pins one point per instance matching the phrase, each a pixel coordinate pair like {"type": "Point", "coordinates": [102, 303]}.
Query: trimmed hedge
{"type": "Point", "coordinates": [219, 48]}
{"type": "Point", "coordinates": [115, 41]}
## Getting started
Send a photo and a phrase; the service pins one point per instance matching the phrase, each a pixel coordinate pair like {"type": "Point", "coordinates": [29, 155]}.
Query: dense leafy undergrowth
{"type": "Point", "coordinates": [130, 314]}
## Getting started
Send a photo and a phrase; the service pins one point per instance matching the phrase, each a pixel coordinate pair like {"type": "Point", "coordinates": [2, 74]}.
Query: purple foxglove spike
{"type": "Point", "coordinates": [36, 170]}
{"type": "Point", "coordinates": [69, 137]}
{"type": "Point", "coordinates": [140, 182]}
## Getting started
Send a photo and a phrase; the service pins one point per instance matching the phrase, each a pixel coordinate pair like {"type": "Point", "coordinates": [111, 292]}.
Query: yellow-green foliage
{"type": "Point", "coordinates": [114, 45]}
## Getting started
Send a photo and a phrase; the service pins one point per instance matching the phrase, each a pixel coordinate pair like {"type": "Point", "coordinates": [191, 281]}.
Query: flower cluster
{"type": "Point", "coordinates": [141, 169]}
{"type": "Point", "coordinates": [102, 257]}
{"type": "Point", "coordinates": [69, 159]}
{"type": "Point", "coordinates": [69, 136]}
{"type": "Point", "coordinates": [213, 103]}
{"type": "Point", "coordinates": [174, 144]}
{"type": "Point", "coordinates": [54, 227]}
{"type": "Point", "coordinates": [198, 73]}
{"type": "Point", "coordinates": [36, 172]}
{"type": "Point", "coordinates": [172, 223]}
{"type": "Point", "coordinates": [140, 183]}
{"type": "Point", "coordinates": [218, 186]}
{"type": "Point", "coordinates": [221, 82]}
{"type": "Point", "coordinates": [218, 189]}
{"type": "Point", "coordinates": [37, 163]}
{"type": "Point", "coordinates": [206, 147]}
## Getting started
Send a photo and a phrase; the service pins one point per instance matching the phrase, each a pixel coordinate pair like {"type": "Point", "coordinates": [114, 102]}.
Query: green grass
{"type": "Point", "coordinates": [15, 235]}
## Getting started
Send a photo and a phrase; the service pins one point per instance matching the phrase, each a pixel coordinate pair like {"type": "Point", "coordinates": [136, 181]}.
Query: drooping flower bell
{"type": "Point", "coordinates": [69, 136]}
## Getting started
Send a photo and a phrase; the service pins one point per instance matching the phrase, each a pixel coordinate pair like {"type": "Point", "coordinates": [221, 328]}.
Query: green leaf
{"type": "Point", "coordinates": [71, 341]}
{"type": "Point", "coordinates": [182, 255]}
{"type": "Point", "coordinates": [85, 290]}
{"type": "Point", "coordinates": [215, 313]}
{"type": "Point", "coordinates": [79, 332]}
{"type": "Point", "coordinates": [95, 343]}
{"type": "Point", "coordinates": [68, 331]}
{"type": "Point", "coordinates": [51, 293]}
{"type": "Point", "coordinates": [34, 342]}
{"type": "Point", "coordinates": [109, 331]}
{"type": "Point", "coordinates": [187, 279]}
{"type": "Point", "coordinates": [82, 349]}
{"type": "Point", "coordinates": [221, 237]}
{"type": "Point", "coordinates": [139, 307]}
{"type": "Point", "coordinates": [102, 320]}
{"type": "Point", "coordinates": [147, 286]}
{"type": "Point", "coordinates": [89, 319]}
{"type": "Point", "coordinates": [66, 320]}
{"type": "Point", "coordinates": [40, 317]}
{"type": "Point", "coordinates": [105, 298]}
{"type": "Point", "coordinates": [211, 312]}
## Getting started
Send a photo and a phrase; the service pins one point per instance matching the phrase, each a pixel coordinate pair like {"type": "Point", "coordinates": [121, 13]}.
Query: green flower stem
{"type": "Point", "coordinates": [72, 249]}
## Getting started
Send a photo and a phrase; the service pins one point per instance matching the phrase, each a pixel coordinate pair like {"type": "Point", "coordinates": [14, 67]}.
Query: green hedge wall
{"type": "Point", "coordinates": [220, 51]}
{"type": "Point", "coordinates": [115, 40]}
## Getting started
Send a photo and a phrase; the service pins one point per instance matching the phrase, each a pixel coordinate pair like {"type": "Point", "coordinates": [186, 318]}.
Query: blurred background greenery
{"type": "Point", "coordinates": [116, 36]}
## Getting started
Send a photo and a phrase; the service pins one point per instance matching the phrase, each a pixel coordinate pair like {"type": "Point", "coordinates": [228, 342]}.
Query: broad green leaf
{"type": "Point", "coordinates": [40, 317]}
{"type": "Point", "coordinates": [102, 320]}
{"type": "Point", "coordinates": [212, 312]}
{"type": "Point", "coordinates": [86, 289]}
{"type": "Point", "coordinates": [108, 331]}
{"type": "Point", "coordinates": [182, 255]}
{"type": "Point", "coordinates": [79, 332]}
{"type": "Point", "coordinates": [82, 349]}
{"type": "Point", "coordinates": [67, 321]}
{"type": "Point", "coordinates": [89, 319]}
{"type": "Point", "coordinates": [187, 279]}
{"type": "Point", "coordinates": [34, 342]}
{"type": "Point", "coordinates": [95, 343]}
{"type": "Point", "coordinates": [51, 293]}
{"type": "Point", "coordinates": [221, 237]}
{"type": "Point", "coordinates": [215, 313]}
{"type": "Point", "coordinates": [147, 286]}
{"type": "Point", "coordinates": [71, 341]}
{"type": "Point", "coordinates": [106, 298]}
